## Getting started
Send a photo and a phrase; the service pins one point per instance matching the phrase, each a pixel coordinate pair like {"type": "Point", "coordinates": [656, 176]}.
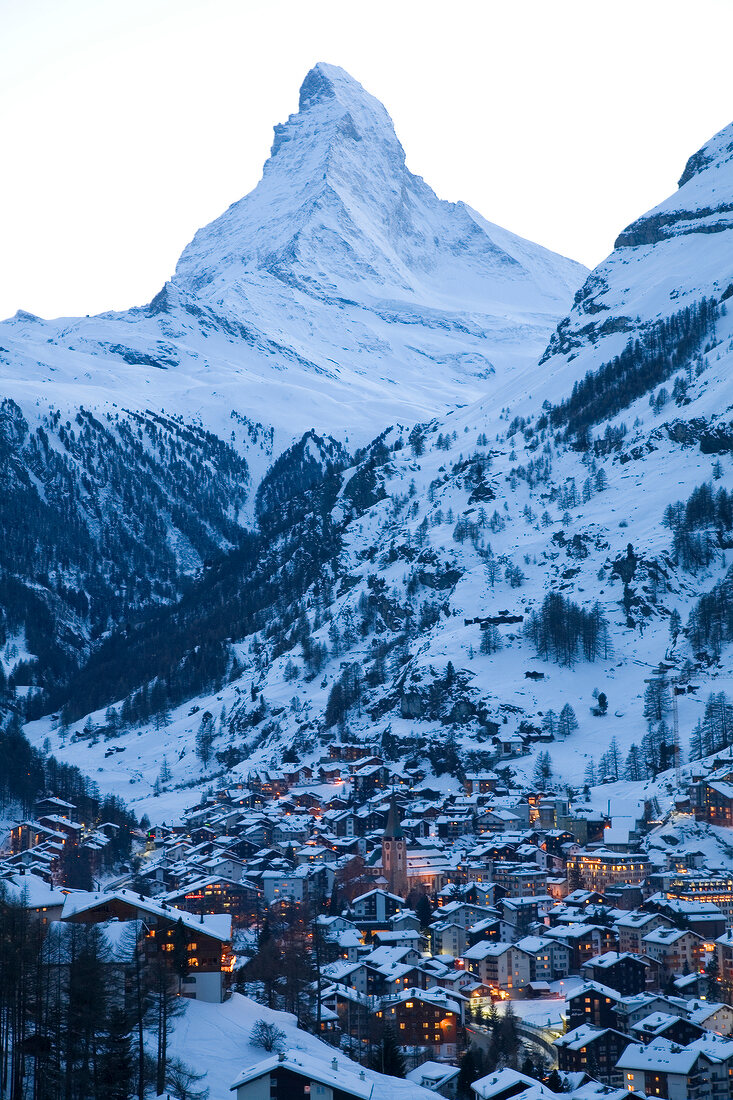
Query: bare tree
{"type": "Point", "coordinates": [268, 1036]}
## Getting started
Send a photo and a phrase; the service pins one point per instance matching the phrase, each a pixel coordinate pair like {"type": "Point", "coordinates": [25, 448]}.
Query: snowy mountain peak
{"type": "Point", "coordinates": [337, 213]}
{"type": "Point", "coordinates": [340, 282]}
{"type": "Point", "coordinates": [712, 155]}
{"type": "Point", "coordinates": [335, 111]}
{"type": "Point", "coordinates": [331, 88]}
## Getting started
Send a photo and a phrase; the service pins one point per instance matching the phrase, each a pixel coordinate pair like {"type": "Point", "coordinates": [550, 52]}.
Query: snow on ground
{"type": "Point", "coordinates": [214, 1038]}
{"type": "Point", "coordinates": [650, 473]}
{"type": "Point", "coordinates": [628, 511]}
{"type": "Point", "coordinates": [14, 651]}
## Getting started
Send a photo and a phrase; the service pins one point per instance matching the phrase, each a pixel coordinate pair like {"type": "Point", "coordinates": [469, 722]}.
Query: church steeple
{"type": "Point", "coordinates": [393, 828]}
{"type": "Point", "coordinates": [394, 852]}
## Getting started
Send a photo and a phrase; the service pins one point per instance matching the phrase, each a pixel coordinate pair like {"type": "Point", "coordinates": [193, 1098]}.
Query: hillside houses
{"type": "Point", "coordinates": [418, 909]}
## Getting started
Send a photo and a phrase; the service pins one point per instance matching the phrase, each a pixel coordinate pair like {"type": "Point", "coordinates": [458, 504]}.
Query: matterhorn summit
{"type": "Point", "coordinates": [337, 212]}
{"type": "Point", "coordinates": [340, 282]}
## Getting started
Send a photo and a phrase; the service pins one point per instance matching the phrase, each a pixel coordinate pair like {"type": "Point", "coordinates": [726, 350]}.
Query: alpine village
{"type": "Point", "coordinates": [389, 760]}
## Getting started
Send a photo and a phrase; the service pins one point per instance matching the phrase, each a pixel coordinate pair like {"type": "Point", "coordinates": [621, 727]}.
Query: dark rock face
{"type": "Point", "coordinates": [659, 227]}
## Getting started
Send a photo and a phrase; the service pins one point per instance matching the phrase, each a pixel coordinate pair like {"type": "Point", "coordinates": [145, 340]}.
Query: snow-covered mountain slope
{"type": "Point", "coordinates": [215, 1039]}
{"type": "Point", "coordinates": [357, 607]}
{"type": "Point", "coordinates": [342, 281]}
{"type": "Point", "coordinates": [399, 570]}
{"type": "Point", "coordinates": [340, 294]}
{"type": "Point", "coordinates": [669, 259]}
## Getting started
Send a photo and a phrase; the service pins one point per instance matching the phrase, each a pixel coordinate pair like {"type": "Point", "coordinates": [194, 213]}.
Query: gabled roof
{"type": "Point", "coordinates": [486, 948]}
{"type": "Point", "coordinates": [660, 1055]}
{"type": "Point", "coordinates": [610, 958]}
{"type": "Point", "coordinates": [216, 925]}
{"type": "Point", "coordinates": [336, 1076]}
{"type": "Point", "coordinates": [508, 1083]}
{"type": "Point", "coordinates": [581, 1036]}
{"type": "Point", "coordinates": [434, 996]}
{"type": "Point", "coordinates": [595, 987]}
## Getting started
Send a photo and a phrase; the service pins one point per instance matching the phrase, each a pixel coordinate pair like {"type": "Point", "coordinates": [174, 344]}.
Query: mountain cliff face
{"type": "Point", "coordinates": [669, 259]}
{"type": "Point", "coordinates": [338, 215]}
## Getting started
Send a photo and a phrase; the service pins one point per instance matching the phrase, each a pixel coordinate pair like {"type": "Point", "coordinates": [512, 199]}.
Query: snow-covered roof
{"type": "Point", "coordinates": [660, 1055]}
{"type": "Point", "coordinates": [508, 1082]}
{"type": "Point", "coordinates": [486, 949]}
{"type": "Point", "coordinates": [336, 1076]}
{"type": "Point", "coordinates": [216, 925]}
{"type": "Point", "coordinates": [579, 1037]}
{"type": "Point", "coordinates": [32, 891]}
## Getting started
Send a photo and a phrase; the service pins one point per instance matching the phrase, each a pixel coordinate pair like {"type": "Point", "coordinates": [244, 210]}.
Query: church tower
{"type": "Point", "coordinates": [394, 853]}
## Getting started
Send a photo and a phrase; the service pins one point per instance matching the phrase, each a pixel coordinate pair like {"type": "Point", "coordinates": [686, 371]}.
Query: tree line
{"type": "Point", "coordinates": [563, 631]}
{"type": "Point", "coordinates": [76, 1011]}
{"type": "Point", "coordinates": [650, 359]}
{"type": "Point", "coordinates": [27, 774]}
{"type": "Point", "coordinates": [699, 525]}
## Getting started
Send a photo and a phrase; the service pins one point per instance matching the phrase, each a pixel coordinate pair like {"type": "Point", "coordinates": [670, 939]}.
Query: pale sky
{"type": "Point", "coordinates": [127, 124]}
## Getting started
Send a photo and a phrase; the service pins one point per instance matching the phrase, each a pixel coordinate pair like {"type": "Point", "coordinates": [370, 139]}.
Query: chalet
{"type": "Point", "coordinates": [415, 828]}
{"type": "Point", "coordinates": [451, 826]}
{"type": "Point", "coordinates": [519, 914]}
{"type": "Point", "coordinates": [701, 1069]}
{"type": "Point", "coordinates": [666, 1025]}
{"type": "Point", "coordinates": [540, 954]}
{"type": "Point", "coordinates": [437, 1077]}
{"type": "Point", "coordinates": [405, 918]}
{"type": "Point", "coordinates": [300, 1076]}
{"type": "Point", "coordinates": [426, 1018]}
{"type": "Point", "coordinates": [374, 909]}
{"type": "Point", "coordinates": [240, 900]}
{"type": "Point", "coordinates": [487, 929]}
{"type": "Point", "coordinates": [268, 784]}
{"type": "Point", "coordinates": [297, 774]}
{"type": "Point", "coordinates": [340, 822]}
{"type": "Point", "coordinates": [496, 820]}
{"type": "Point", "coordinates": [354, 1010]}
{"type": "Point", "coordinates": [675, 950]}
{"type": "Point", "coordinates": [592, 1050]}
{"type": "Point", "coordinates": [551, 810]}
{"type": "Point", "coordinates": [593, 1004]}
{"type": "Point", "coordinates": [632, 927]}
{"type": "Point", "coordinates": [505, 1084]}
{"type": "Point", "coordinates": [448, 937]}
{"type": "Point", "coordinates": [52, 805]}
{"type": "Point", "coordinates": [368, 778]}
{"type": "Point", "coordinates": [499, 965]}
{"type": "Point", "coordinates": [508, 745]}
{"type": "Point", "coordinates": [703, 917]}
{"type": "Point", "coordinates": [621, 971]}
{"type": "Point", "coordinates": [581, 940]}
{"type": "Point", "coordinates": [208, 938]}
{"type": "Point", "coordinates": [402, 937]}
{"type": "Point", "coordinates": [481, 782]}
{"type": "Point", "coordinates": [35, 895]}
{"type": "Point", "coordinates": [717, 803]}
{"type": "Point", "coordinates": [711, 1015]}
{"type": "Point", "coordinates": [28, 834]}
